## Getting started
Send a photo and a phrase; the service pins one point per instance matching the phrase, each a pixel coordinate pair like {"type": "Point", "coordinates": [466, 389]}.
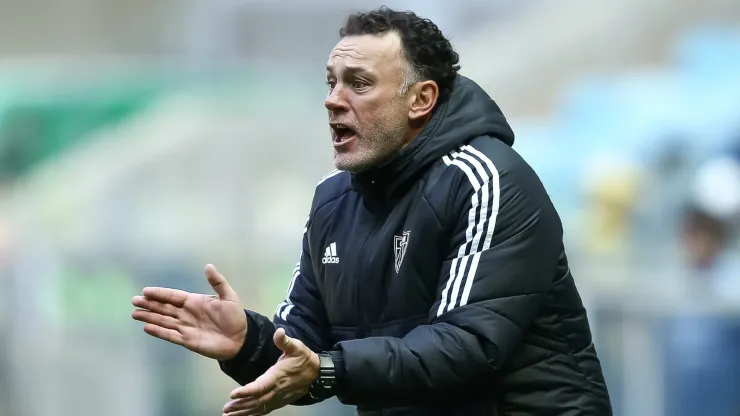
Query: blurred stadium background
{"type": "Point", "coordinates": [140, 140]}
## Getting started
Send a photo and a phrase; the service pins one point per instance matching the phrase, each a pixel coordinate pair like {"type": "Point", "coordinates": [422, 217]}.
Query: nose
{"type": "Point", "coordinates": [335, 100]}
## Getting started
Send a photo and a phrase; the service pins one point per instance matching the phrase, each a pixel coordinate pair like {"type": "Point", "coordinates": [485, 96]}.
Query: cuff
{"type": "Point", "coordinates": [337, 357]}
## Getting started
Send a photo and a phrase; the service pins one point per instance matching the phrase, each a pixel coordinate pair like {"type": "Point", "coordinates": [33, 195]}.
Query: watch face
{"type": "Point", "coordinates": [325, 361]}
{"type": "Point", "coordinates": [323, 387]}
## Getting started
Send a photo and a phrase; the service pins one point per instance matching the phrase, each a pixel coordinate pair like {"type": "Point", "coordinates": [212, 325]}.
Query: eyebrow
{"type": "Point", "coordinates": [350, 69]}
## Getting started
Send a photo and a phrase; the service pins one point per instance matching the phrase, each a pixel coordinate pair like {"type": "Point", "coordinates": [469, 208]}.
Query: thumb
{"type": "Point", "coordinates": [220, 285]}
{"type": "Point", "coordinates": [287, 344]}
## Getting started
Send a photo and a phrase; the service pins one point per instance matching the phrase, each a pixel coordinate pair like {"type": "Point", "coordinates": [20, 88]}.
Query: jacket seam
{"type": "Point", "coordinates": [346, 191]}
{"type": "Point", "coordinates": [432, 208]}
{"type": "Point", "coordinates": [581, 371]}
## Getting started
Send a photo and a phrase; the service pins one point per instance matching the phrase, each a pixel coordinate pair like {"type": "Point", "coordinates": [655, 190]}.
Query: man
{"type": "Point", "coordinates": [433, 278]}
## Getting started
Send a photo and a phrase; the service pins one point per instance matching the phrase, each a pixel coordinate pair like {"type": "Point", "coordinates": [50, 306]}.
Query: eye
{"type": "Point", "coordinates": [359, 84]}
{"type": "Point", "coordinates": [331, 84]}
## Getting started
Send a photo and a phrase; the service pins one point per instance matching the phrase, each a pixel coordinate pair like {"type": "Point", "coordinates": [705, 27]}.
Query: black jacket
{"type": "Point", "coordinates": [442, 280]}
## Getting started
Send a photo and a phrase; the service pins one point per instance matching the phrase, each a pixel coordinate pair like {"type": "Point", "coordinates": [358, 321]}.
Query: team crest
{"type": "Point", "coordinates": [400, 242]}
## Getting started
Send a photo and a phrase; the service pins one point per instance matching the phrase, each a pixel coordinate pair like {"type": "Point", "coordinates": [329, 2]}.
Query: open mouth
{"type": "Point", "coordinates": [342, 133]}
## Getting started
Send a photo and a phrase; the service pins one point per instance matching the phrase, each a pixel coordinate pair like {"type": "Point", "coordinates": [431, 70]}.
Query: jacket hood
{"type": "Point", "coordinates": [468, 113]}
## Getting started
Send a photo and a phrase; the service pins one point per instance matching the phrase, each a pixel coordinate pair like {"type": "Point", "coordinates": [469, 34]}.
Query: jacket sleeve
{"type": "Point", "coordinates": [301, 314]}
{"type": "Point", "coordinates": [501, 260]}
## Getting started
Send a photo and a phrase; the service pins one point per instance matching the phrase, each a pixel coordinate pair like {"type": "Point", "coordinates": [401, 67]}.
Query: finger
{"type": "Point", "coordinates": [249, 407]}
{"type": "Point", "coordinates": [169, 335]}
{"type": "Point", "coordinates": [240, 404]}
{"type": "Point", "coordinates": [264, 384]}
{"type": "Point", "coordinates": [246, 404]}
{"type": "Point", "coordinates": [154, 306]}
{"type": "Point", "coordinates": [149, 317]}
{"type": "Point", "coordinates": [250, 412]}
{"type": "Point", "coordinates": [165, 295]}
{"type": "Point", "coordinates": [220, 285]}
{"type": "Point", "coordinates": [288, 345]}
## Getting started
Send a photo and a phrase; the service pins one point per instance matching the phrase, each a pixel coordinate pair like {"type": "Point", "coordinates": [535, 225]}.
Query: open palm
{"type": "Point", "coordinates": [213, 326]}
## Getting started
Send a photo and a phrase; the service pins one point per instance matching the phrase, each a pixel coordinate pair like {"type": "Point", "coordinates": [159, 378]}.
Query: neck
{"type": "Point", "coordinates": [379, 182]}
{"type": "Point", "coordinates": [415, 129]}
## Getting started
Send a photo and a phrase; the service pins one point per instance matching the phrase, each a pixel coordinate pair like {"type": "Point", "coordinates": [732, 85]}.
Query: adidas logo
{"type": "Point", "coordinates": [330, 255]}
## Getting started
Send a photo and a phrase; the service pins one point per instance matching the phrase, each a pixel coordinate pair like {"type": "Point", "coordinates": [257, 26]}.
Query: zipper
{"type": "Point", "coordinates": [363, 327]}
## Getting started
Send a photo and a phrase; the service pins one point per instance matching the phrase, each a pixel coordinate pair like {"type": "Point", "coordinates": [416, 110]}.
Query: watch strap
{"type": "Point", "coordinates": [325, 384]}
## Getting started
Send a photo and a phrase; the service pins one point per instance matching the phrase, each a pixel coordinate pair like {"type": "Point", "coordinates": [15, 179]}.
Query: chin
{"type": "Point", "coordinates": [348, 163]}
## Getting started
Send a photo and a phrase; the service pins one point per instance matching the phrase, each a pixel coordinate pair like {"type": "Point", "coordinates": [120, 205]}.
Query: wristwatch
{"type": "Point", "coordinates": [324, 385]}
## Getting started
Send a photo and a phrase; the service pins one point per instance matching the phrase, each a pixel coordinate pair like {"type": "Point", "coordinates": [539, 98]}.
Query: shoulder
{"type": "Point", "coordinates": [489, 173]}
{"type": "Point", "coordinates": [330, 187]}
{"type": "Point", "coordinates": [486, 160]}
{"type": "Point", "coordinates": [498, 157]}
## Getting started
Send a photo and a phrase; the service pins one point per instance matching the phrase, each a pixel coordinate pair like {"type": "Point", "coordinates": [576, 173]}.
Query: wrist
{"type": "Point", "coordinates": [315, 366]}
{"type": "Point", "coordinates": [330, 365]}
{"type": "Point", "coordinates": [337, 358]}
{"type": "Point", "coordinates": [239, 340]}
{"type": "Point", "coordinates": [243, 344]}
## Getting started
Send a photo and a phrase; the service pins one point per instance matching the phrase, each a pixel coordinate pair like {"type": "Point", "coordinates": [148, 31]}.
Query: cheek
{"type": "Point", "coordinates": [374, 110]}
{"type": "Point", "coordinates": [385, 115]}
{"type": "Point", "coordinates": [366, 112]}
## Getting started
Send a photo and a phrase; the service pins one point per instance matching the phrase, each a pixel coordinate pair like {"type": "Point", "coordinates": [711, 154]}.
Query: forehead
{"type": "Point", "coordinates": [373, 53]}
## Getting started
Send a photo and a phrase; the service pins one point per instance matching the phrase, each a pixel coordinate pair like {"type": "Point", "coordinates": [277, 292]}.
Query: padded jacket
{"type": "Point", "coordinates": [439, 282]}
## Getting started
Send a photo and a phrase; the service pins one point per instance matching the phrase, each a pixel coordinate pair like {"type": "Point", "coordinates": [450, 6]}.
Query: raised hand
{"type": "Point", "coordinates": [213, 326]}
{"type": "Point", "coordinates": [282, 384]}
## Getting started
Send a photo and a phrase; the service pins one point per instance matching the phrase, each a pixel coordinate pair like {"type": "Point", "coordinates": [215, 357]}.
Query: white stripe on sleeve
{"type": "Point", "coordinates": [482, 174]}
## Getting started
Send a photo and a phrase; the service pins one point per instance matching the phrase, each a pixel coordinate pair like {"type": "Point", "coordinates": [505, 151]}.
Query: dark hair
{"type": "Point", "coordinates": [424, 46]}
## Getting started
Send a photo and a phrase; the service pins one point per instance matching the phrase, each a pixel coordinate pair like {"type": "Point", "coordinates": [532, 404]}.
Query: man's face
{"type": "Point", "coordinates": [367, 114]}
